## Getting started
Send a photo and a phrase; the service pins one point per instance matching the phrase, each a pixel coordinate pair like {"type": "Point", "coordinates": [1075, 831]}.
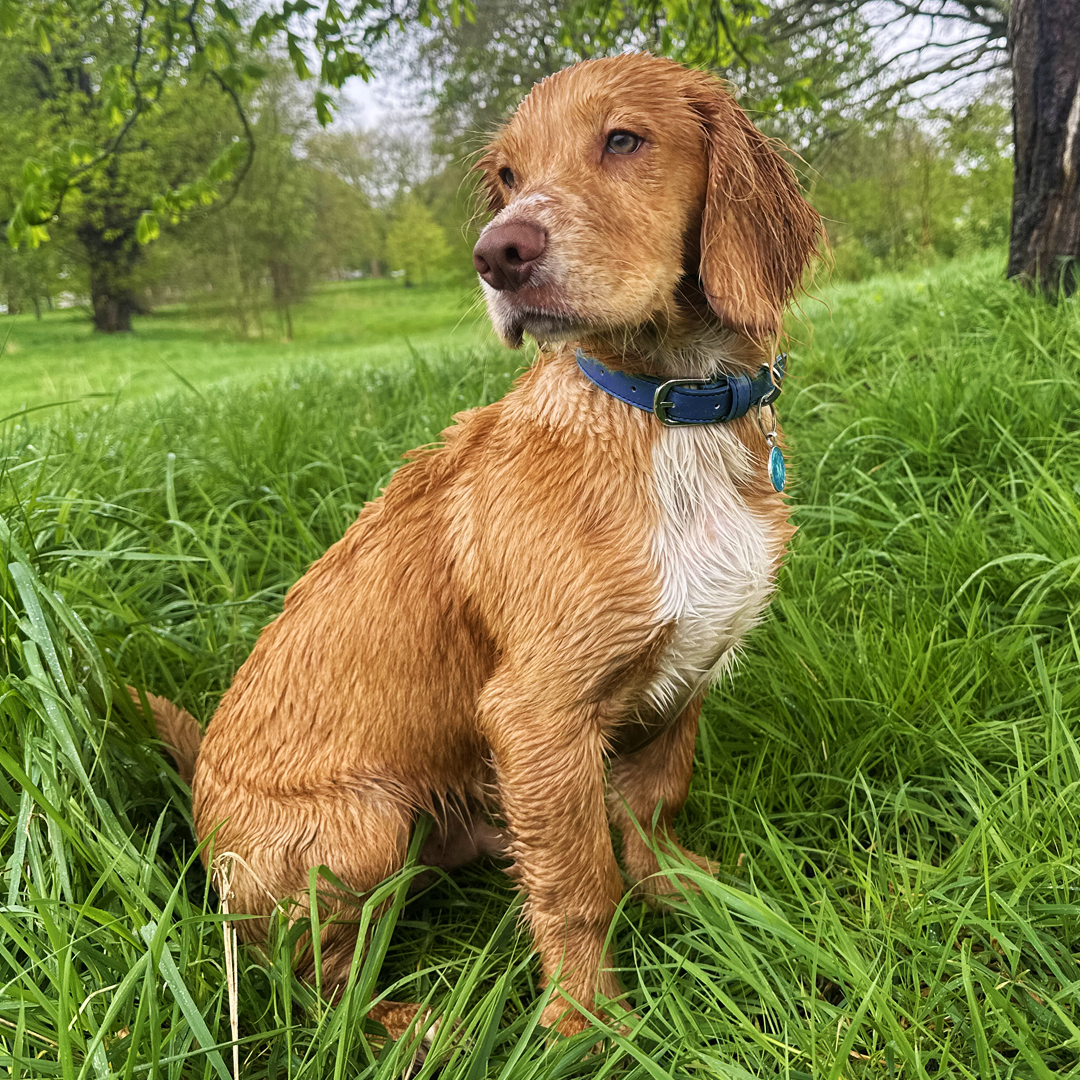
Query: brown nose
{"type": "Point", "coordinates": [506, 255]}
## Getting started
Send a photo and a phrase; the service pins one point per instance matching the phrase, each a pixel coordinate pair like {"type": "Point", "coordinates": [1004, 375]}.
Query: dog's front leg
{"type": "Point", "coordinates": [657, 775]}
{"type": "Point", "coordinates": [550, 768]}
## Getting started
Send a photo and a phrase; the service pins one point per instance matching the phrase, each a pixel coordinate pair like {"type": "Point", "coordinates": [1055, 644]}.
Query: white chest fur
{"type": "Point", "coordinates": [713, 554]}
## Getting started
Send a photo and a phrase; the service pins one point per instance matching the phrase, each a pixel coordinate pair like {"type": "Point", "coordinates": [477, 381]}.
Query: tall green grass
{"type": "Point", "coordinates": [890, 782]}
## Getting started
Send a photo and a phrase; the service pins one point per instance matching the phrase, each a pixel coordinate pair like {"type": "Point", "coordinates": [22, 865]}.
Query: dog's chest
{"type": "Point", "coordinates": [714, 556]}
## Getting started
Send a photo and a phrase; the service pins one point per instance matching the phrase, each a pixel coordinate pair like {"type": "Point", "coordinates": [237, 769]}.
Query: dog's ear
{"type": "Point", "coordinates": [758, 234]}
{"type": "Point", "coordinates": [492, 193]}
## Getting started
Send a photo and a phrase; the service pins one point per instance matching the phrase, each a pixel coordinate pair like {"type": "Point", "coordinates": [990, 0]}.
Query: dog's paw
{"type": "Point", "coordinates": [567, 1019]}
{"type": "Point", "coordinates": [423, 1048]}
{"type": "Point", "coordinates": [660, 885]}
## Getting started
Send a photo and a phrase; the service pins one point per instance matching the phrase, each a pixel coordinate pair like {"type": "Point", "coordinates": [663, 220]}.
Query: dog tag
{"type": "Point", "coordinates": [777, 470]}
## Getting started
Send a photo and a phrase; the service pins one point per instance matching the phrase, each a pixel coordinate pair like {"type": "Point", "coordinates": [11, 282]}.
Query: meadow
{"type": "Point", "coordinates": [342, 324]}
{"type": "Point", "coordinates": [890, 781]}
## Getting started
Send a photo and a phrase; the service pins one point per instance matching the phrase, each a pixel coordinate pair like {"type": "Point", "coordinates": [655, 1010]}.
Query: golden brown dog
{"type": "Point", "coordinates": [517, 634]}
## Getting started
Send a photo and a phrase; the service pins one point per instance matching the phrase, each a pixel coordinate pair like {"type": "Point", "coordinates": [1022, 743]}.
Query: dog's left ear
{"type": "Point", "coordinates": [758, 234]}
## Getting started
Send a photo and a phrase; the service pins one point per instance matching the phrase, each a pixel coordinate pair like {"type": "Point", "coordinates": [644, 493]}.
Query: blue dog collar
{"type": "Point", "coordinates": [676, 402]}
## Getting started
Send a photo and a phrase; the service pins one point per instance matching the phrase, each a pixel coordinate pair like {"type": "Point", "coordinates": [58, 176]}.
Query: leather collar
{"type": "Point", "coordinates": [676, 402]}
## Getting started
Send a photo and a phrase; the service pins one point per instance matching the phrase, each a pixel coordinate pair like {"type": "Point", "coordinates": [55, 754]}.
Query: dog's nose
{"type": "Point", "coordinates": [506, 255]}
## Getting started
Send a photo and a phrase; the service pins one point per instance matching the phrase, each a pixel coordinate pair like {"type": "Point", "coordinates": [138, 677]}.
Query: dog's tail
{"type": "Point", "coordinates": [177, 729]}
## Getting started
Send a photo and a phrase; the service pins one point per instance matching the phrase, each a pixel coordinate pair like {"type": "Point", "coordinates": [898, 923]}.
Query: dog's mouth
{"type": "Point", "coordinates": [539, 309]}
{"type": "Point", "coordinates": [543, 325]}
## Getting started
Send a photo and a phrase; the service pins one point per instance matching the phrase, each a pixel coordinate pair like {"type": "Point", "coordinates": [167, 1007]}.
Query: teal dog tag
{"type": "Point", "coordinates": [777, 470]}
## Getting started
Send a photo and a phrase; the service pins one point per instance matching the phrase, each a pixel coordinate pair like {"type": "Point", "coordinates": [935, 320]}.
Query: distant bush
{"type": "Point", "coordinates": [903, 193]}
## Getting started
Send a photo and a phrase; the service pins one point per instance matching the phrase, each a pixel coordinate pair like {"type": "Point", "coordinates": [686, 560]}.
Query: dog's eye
{"type": "Point", "coordinates": [623, 142]}
{"type": "Point", "coordinates": [507, 177]}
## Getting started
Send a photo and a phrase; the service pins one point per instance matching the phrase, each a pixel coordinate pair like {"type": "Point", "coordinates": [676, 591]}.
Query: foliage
{"type": "Point", "coordinates": [163, 43]}
{"type": "Point", "coordinates": [66, 93]}
{"type": "Point", "coordinates": [478, 70]}
{"type": "Point", "coordinates": [321, 203]}
{"type": "Point", "coordinates": [896, 188]}
{"type": "Point", "coordinates": [887, 783]}
{"type": "Point", "coordinates": [173, 42]}
{"type": "Point", "coordinates": [820, 64]}
{"type": "Point", "coordinates": [266, 232]}
{"type": "Point", "coordinates": [28, 279]}
{"type": "Point", "coordinates": [924, 47]}
{"type": "Point", "coordinates": [902, 192]}
{"type": "Point", "coordinates": [351, 227]}
{"type": "Point", "coordinates": [415, 243]}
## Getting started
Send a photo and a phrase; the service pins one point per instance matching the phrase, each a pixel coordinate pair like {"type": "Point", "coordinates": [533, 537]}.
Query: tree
{"type": "Point", "coordinates": [906, 191]}
{"type": "Point", "coordinates": [350, 234]}
{"type": "Point", "coordinates": [479, 69]}
{"type": "Point", "coordinates": [27, 279]}
{"type": "Point", "coordinates": [1044, 47]}
{"type": "Point", "coordinates": [289, 220]}
{"type": "Point", "coordinates": [415, 243]}
{"type": "Point", "coordinates": [187, 42]}
{"type": "Point", "coordinates": [943, 43]}
{"type": "Point", "coordinates": [957, 41]}
{"type": "Point", "coordinates": [64, 93]}
{"type": "Point", "coordinates": [951, 41]}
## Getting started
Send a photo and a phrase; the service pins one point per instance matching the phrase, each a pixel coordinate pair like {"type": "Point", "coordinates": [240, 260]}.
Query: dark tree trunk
{"type": "Point", "coordinates": [112, 307]}
{"type": "Point", "coordinates": [113, 256]}
{"type": "Point", "coordinates": [1044, 51]}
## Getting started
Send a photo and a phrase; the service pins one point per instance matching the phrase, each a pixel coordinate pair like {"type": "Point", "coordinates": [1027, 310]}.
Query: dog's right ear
{"type": "Point", "coordinates": [493, 195]}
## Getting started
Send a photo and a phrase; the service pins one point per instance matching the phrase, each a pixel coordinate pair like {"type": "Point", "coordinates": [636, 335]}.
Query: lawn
{"type": "Point", "coordinates": [890, 782]}
{"type": "Point", "coordinates": [341, 325]}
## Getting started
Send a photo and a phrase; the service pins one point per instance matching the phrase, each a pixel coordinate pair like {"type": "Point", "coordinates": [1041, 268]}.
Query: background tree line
{"type": "Point", "coordinates": [311, 204]}
{"type": "Point", "coordinates": [900, 176]}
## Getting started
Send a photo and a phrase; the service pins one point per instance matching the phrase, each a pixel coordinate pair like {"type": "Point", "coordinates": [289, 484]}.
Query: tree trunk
{"type": "Point", "coordinates": [112, 307]}
{"type": "Point", "coordinates": [1044, 52]}
{"type": "Point", "coordinates": [112, 257]}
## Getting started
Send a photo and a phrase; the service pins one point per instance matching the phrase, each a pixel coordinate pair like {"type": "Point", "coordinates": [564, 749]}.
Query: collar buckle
{"type": "Point", "coordinates": [662, 404]}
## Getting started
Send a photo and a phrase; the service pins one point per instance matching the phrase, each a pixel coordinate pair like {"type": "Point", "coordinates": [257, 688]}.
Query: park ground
{"type": "Point", "coordinates": [889, 782]}
{"type": "Point", "coordinates": [348, 324]}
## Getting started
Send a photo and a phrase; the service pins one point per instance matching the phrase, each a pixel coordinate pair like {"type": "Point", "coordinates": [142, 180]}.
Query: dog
{"type": "Point", "coordinates": [517, 634]}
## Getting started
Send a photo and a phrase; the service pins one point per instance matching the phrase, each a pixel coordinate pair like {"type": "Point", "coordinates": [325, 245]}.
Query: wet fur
{"type": "Point", "coordinates": [520, 629]}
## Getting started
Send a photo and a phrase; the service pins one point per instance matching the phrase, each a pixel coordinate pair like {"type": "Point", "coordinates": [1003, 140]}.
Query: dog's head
{"type": "Point", "coordinates": [632, 193]}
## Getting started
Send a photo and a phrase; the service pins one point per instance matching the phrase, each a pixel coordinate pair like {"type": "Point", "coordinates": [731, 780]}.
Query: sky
{"type": "Point", "coordinates": [366, 104]}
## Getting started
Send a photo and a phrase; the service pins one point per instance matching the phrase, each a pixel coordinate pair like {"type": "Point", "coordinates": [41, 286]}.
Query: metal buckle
{"type": "Point", "coordinates": [661, 406]}
{"type": "Point", "coordinates": [774, 385]}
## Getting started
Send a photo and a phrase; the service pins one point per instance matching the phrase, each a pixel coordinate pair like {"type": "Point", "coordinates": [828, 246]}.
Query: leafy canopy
{"type": "Point", "coordinates": [215, 42]}
{"type": "Point", "coordinates": [177, 42]}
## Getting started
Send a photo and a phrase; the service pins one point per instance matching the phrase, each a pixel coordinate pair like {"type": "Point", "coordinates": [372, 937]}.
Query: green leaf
{"type": "Point", "coordinates": [149, 228]}
{"type": "Point", "coordinates": [227, 14]}
{"type": "Point", "coordinates": [175, 981]}
{"type": "Point", "coordinates": [324, 107]}
{"type": "Point", "coordinates": [296, 55]}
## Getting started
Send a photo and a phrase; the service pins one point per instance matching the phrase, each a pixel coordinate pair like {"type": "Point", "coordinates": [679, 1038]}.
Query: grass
{"type": "Point", "coordinates": [890, 782]}
{"type": "Point", "coordinates": [341, 325]}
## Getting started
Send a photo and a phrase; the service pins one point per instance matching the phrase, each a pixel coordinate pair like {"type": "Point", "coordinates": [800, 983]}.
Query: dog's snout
{"type": "Point", "coordinates": [506, 255]}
